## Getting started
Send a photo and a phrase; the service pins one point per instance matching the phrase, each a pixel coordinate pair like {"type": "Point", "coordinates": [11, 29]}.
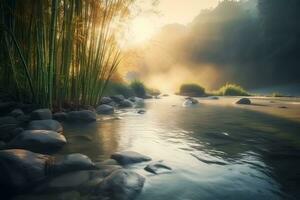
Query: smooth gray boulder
{"type": "Point", "coordinates": [138, 102]}
{"type": "Point", "coordinates": [120, 185]}
{"type": "Point", "coordinates": [6, 107]}
{"type": "Point", "coordinates": [19, 169]}
{"type": "Point", "coordinates": [82, 116]}
{"type": "Point", "coordinates": [16, 113]}
{"type": "Point", "coordinates": [125, 104]}
{"type": "Point", "coordinates": [41, 114]}
{"type": "Point", "coordinates": [60, 116]}
{"type": "Point", "coordinates": [7, 126]}
{"type": "Point", "coordinates": [117, 98]}
{"type": "Point", "coordinates": [47, 124]}
{"type": "Point", "coordinates": [71, 162]}
{"type": "Point", "coordinates": [141, 111]}
{"type": "Point", "coordinates": [129, 157]}
{"type": "Point", "coordinates": [84, 181]}
{"type": "Point", "coordinates": [244, 101]}
{"type": "Point", "coordinates": [105, 109]}
{"type": "Point", "coordinates": [214, 98]}
{"type": "Point", "coordinates": [157, 167]}
{"type": "Point", "coordinates": [105, 100]}
{"type": "Point", "coordinates": [39, 141]}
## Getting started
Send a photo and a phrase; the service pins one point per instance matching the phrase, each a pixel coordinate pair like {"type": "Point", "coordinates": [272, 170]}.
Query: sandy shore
{"type": "Point", "coordinates": [288, 108]}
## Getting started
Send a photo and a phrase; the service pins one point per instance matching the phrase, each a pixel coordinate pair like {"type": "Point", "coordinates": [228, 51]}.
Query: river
{"type": "Point", "coordinates": [216, 151]}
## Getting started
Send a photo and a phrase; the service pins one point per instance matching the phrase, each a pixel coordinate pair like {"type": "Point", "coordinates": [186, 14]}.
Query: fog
{"type": "Point", "coordinates": [251, 43]}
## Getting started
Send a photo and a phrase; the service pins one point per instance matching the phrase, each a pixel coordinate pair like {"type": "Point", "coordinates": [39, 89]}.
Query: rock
{"type": "Point", "coordinates": [60, 116]}
{"type": "Point", "coordinates": [7, 126]}
{"type": "Point", "coordinates": [148, 96]}
{"type": "Point", "coordinates": [39, 141]}
{"type": "Point", "coordinates": [244, 101]}
{"type": "Point", "coordinates": [47, 124]}
{"type": "Point", "coordinates": [27, 108]}
{"type": "Point", "coordinates": [141, 111]}
{"type": "Point", "coordinates": [16, 113]}
{"type": "Point", "coordinates": [139, 102]}
{"type": "Point", "coordinates": [85, 181]}
{"type": "Point", "coordinates": [189, 101]}
{"type": "Point", "coordinates": [41, 114]}
{"type": "Point", "coordinates": [105, 100]}
{"type": "Point", "coordinates": [125, 104]}
{"type": "Point", "coordinates": [284, 107]}
{"type": "Point", "coordinates": [81, 116]}
{"type": "Point", "coordinates": [157, 167]}
{"type": "Point", "coordinates": [6, 107]}
{"type": "Point", "coordinates": [118, 98]}
{"type": "Point", "coordinates": [105, 109]}
{"type": "Point", "coordinates": [121, 185]}
{"type": "Point", "coordinates": [129, 157]}
{"type": "Point", "coordinates": [71, 162]}
{"type": "Point", "coordinates": [107, 162]}
{"type": "Point", "coordinates": [20, 169]}
{"type": "Point", "coordinates": [214, 98]}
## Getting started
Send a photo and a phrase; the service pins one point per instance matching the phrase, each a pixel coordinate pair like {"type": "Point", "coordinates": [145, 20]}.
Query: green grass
{"type": "Point", "coordinates": [231, 90]}
{"type": "Point", "coordinates": [192, 90]}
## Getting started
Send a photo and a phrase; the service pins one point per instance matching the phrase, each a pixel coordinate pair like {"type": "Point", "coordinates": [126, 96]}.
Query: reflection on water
{"type": "Point", "coordinates": [215, 151]}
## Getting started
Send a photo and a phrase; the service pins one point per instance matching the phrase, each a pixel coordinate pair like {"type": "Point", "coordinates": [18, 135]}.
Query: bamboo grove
{"type": "Point", "coordinates": [57, 52]}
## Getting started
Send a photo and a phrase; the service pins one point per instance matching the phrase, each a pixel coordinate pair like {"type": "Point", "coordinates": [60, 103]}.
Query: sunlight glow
{"type": "Point", "coordinates": [140, 30]}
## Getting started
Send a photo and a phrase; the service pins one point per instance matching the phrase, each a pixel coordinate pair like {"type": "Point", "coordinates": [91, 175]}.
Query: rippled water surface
{"type": "Point", "coordinates": [216, 152]}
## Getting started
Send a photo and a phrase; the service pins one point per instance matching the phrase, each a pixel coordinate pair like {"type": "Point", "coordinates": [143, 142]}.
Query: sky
{"type": "Point", "coordinates": [146, 24]}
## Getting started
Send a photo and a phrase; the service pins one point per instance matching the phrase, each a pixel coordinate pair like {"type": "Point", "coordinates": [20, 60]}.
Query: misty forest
{"type": "Point", "coordinates": [149, 99]}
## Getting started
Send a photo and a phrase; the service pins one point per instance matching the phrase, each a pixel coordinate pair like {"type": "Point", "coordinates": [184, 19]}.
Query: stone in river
{"type": "Point", "coordinates": [39, 141]}
{"type": "Point", "coordinates": [244, 101]}
{"type": "Point", "coordinates": [41, 114]}
{"type": "Point", "coordinates": [157, 167]}
{"type": "Point", "coordinates": [82, 116]}
{"type": "Point", "coordinates": [19, 169]}
{"type": "Point", "coordinates": [60, 116]}
{"type": "Point", "coordinates": [47, 124]}
{"type": "Point", "coordinates": [105, 109]}
{"type": "Point", "coordinates": [120, 185]}
{"type": "Point", "coordinates": [129, 157]}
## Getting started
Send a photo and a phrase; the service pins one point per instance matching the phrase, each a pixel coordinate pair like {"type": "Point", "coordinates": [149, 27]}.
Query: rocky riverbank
{"type": "Point", "coordinates": [28, 170]}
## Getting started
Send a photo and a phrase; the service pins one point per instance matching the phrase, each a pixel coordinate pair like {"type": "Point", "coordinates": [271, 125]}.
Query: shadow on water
{"type": "Point", "coordinates": [216, 151]}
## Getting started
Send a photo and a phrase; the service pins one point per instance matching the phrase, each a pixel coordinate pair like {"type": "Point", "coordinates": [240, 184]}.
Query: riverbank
{"type": "Point", "coordinates": [32, 168]}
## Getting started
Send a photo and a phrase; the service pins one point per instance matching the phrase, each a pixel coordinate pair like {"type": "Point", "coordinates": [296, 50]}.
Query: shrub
{"type": "Point", "coordinates": [232, 90]}
{"type": "Point", "coordinates": [138, 88]}
{"type": "Point", "coordinates": [115, 88]}
{"type": "Point", "coordinates": [192, 90]}
{"type": "Point", "coordinates": [153, 92]}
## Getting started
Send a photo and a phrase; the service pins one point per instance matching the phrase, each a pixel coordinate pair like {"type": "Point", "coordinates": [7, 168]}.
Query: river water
{"type": "Point", "coordinates": [215, 151]}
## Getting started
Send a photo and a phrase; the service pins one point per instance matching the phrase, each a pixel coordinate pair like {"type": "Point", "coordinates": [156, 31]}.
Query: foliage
{"type": "Point", "coordinates": [116, 88]}
{"type": "Point", "coordinates": [192, 90]}
{"type": "Point", "coordinates": [153, 92]}
{"type": "Point", "coordinates": [138, 88]}
{"type": "Point", "coordinates": [58, 51]}
{"type": "Point", "coordinates": [231, 90]}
